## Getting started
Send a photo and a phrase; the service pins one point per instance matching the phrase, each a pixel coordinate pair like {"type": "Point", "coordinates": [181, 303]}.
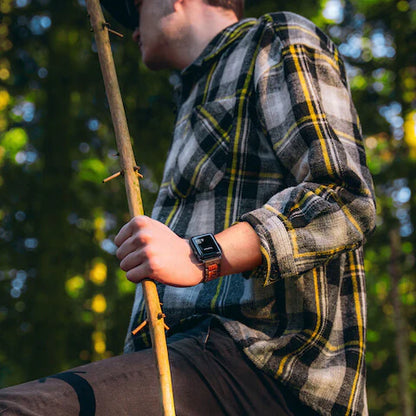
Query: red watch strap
{"type": "Point", "coordinates": [211, 271]}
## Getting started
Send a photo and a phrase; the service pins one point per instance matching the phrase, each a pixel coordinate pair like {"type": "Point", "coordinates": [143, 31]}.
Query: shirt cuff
{"type": "Point", "coordinates": [275, 245]}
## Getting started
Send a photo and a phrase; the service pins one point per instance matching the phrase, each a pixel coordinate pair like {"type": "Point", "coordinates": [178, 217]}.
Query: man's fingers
{"type": "Point", "coordinates": [126, 248]}
{"type": "Point", "coordinates": [126, 231]}
{"type": "Point", "coordinates": [123, 235]}
{"type": "Point", "coordinates": [136, 241]}
{"type": "Point", "coordinates": [137, 274]}
{"type": "Point", "coordinates": [135, 258]}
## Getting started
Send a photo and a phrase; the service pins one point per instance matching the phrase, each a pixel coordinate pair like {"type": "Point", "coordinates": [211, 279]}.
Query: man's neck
{"type": "Point", "coordinates": [205, 23]}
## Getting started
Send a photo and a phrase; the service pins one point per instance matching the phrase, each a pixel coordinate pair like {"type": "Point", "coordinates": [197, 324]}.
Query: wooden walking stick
{"type": "Point", "coordinates": [155, 317]}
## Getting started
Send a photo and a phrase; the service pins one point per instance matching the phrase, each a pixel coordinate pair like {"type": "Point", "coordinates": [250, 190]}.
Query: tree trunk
{"type": "Point", "coordinates": [401, 343]}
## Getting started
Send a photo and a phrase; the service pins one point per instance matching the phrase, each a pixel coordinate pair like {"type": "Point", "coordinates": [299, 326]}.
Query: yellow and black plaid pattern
{"type": "Point", "coordinates": [266, 133]}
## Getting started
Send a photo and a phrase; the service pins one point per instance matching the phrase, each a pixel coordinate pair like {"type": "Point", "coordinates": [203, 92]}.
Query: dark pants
{"type": "Point", "coordinates": [210, 376]}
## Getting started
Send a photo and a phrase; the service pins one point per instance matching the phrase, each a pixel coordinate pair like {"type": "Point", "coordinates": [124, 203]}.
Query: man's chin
{"type": "Point", "coordinates": [155, 64]}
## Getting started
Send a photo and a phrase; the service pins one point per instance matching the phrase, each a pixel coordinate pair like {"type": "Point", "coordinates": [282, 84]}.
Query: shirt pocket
{"type": "Point", "coordinates": [204, 151]}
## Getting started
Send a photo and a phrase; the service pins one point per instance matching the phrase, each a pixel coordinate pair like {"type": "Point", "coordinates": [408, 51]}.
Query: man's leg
{"type": "Point", "coordinates": [210, 377]}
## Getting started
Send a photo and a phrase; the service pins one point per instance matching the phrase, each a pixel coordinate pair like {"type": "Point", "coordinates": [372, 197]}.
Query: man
{"type": "Point", "coordinates": [256, 236]}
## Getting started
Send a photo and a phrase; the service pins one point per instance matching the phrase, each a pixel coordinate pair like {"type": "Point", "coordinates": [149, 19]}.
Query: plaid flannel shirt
{"type": "Point", "coordinates": [266, 132]}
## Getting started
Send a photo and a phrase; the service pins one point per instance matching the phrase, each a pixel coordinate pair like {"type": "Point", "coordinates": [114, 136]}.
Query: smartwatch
{"type": "Point", "coordinates": [208, 252]}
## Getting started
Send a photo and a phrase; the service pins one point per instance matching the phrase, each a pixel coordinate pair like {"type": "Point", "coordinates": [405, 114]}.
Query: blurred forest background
{"type": "Point", "coordinates": [63, 300]}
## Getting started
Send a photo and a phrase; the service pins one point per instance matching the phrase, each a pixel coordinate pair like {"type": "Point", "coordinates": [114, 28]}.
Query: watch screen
{"type": "Point", "coordinates": [206, 246]}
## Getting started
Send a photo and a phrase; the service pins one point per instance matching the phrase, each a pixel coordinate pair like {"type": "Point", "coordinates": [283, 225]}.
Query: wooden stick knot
{"type": "Point", "coordinates": [139, 328]}
{"type": "Point", "coordinates": [108, 27]}
{"type": "Point", "coordinates": [136, 169]}
{"type": "Point", "coordinates": [115, 175]}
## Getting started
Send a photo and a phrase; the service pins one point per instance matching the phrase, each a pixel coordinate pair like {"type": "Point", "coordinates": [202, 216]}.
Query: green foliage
{"type": "Point", "coordinates": [63, 299]}
{"type": "Point", "coordinates": [92, 170]}
{"type": "Point", "coordinates": [13, 141]}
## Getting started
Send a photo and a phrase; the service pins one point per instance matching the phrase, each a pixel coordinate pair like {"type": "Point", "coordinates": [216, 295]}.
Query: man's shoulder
{"type": "Point", "coordinates": [290, 29]}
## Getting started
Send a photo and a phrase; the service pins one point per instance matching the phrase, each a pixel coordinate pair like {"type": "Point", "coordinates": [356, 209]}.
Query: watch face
{"type": "Point", "coordinates": [206, 246]}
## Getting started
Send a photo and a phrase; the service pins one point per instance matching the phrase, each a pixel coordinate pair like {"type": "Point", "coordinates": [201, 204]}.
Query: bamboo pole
{"type": "Point", "coordinates": [155, 317]}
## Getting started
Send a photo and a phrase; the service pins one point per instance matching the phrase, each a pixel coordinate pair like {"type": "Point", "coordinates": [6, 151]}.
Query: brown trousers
{"type": "Point", "coordinates": [210, 375]}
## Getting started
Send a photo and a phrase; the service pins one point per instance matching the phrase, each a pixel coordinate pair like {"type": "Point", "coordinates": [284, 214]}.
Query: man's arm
{"type": "Point", "coordinates": [149, 249]}
{"type": "Point", "coordinates": [327, 206]}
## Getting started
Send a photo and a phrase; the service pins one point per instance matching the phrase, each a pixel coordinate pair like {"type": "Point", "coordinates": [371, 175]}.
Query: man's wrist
{"type": "Point", "coordinates": [208, 254]}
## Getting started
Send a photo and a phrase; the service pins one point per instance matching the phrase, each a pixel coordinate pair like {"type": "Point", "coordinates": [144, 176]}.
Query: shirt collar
{"type": "Point", "coordinates": [221, 42]}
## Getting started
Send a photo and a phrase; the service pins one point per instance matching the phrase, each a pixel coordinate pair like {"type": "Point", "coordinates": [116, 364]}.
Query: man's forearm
{"type": "Point", "coordinates": [241, 248]}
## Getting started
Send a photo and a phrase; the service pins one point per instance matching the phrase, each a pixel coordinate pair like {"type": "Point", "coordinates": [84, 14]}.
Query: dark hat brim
{"type": "Point", "coordinates": [124, 11]}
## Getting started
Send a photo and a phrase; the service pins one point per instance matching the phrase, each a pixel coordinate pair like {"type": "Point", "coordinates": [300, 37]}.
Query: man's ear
{"type": "Point", "coordinates": [176, 3]}
{"type": "Point", "coordinates": [182, 4]}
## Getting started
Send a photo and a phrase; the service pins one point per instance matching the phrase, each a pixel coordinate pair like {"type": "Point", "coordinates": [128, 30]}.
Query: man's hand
{"type": "Point", "coordinates": [149, 249]}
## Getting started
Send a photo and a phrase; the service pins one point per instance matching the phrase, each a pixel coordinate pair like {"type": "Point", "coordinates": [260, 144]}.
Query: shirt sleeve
{"type": "Point", "coordinates": [305, 109]}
